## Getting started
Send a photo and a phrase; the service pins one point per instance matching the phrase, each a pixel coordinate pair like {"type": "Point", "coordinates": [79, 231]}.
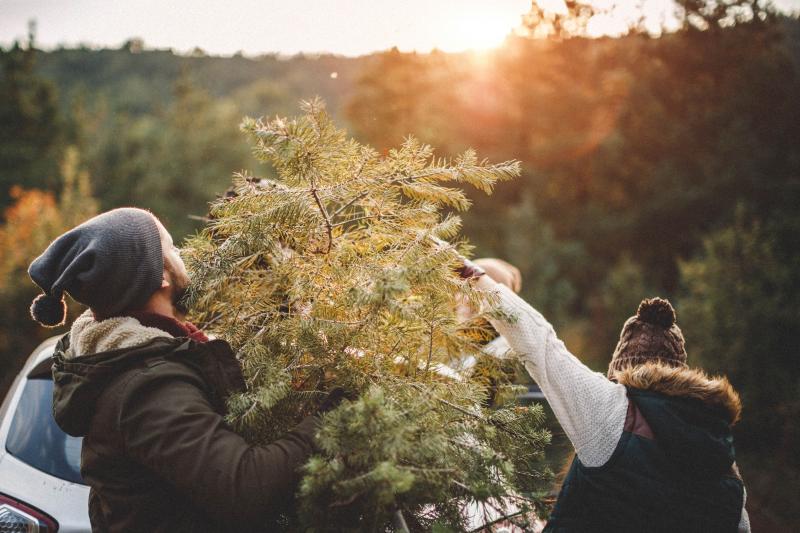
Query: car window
{"type": "Point", "coordinates": [36, 439]}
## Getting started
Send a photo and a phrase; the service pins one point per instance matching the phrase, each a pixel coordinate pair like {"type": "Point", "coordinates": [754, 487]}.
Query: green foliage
{"type": "Point", "coordinates": [172, 163]}
{"type": "Point", "coordinates": [335, 273]}
{"type": "Point", "coordinates": [434, 476]}
{"type": "Point", "coordinates": [138, 80]}
{"type": "Point", "coordinates": [617, 298]}
{"type": "Point", "coordinates": [402, 94]}
{"type": "Point", "coordinates": [31, 126]}
{"type": "Point", "coordinates": [519, 235]}
{"type": "Point", "coordinates": [672, 147]}
{"type": "Point", "coordinates": [740, 315]}
{"type": "Point", "coordinates": [30, 223]}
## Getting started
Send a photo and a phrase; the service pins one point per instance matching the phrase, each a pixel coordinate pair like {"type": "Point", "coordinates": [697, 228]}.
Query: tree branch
{"type": "Point", "coordinates": [393, 181]}
{"type": "Point", "coordinates": [430, 349]}
{"type": "Point", "coordinates": [497, 423]}
{"type": "Point", "coordinates": [343, 222]}
{"type": "Point", "coordinates": [325, 216]}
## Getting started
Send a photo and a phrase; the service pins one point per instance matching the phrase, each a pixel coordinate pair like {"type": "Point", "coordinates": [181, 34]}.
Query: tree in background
{"type": "Point", "coordinates": [614, 301]}
{"type": "Point", "coordinates": [541, 21]}
{"type": "Point", "coordinates": [173, 163]}
{"type": "Point", "coordinates": [31, 223]}
{"type": "Point", "coordinates": [389, 103]}
{"type": "Point", "coordinates": [672, 146]}
{"type": "Point", "coordinates": [195, 154]}
{"type": "Point", "coordinates": [740, 302]}
{"type": "Point", "coordinates": [264, 98]}
{"type": "Point", "coordinates": [30, 123]}
{"type": "Point", "coordinates": [740, 315]}
{"type": "Point", "coordinates": [705, 15]}
{"type": "Point", "coordinates": [335, 274]}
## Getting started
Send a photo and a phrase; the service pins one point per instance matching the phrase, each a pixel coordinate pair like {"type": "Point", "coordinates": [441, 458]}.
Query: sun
{"type": "Point", "coordinates": [477, 30]}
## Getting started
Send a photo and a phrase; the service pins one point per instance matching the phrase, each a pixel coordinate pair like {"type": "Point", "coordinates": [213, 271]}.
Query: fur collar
{"type": "Point", "coordinates": [684, 382]}
{"type": "Point", "coordinates": [89, 336]}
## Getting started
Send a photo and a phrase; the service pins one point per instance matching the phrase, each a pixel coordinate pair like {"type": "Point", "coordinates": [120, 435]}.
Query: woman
{"type": "Point", "coordinates": [653, 443]}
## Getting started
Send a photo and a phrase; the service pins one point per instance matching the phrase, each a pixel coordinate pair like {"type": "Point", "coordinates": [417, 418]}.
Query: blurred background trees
{"type": "Point", "coordinates": [30, 123]}
{"type": "Point", "coordinates": [35, 218]}
{"type": "Point", "coordinates": [651, 165]}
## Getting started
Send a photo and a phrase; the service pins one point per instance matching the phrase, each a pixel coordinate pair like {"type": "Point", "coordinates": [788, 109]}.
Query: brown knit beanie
{"type": "Point", "coordinates": [651, 335]}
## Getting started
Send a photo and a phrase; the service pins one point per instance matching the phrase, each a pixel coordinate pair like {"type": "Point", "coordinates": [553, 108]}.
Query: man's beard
{"type": "Point", "coordinates": [180, 289]}
{"type": "Point", "coordinates": [179, 293]}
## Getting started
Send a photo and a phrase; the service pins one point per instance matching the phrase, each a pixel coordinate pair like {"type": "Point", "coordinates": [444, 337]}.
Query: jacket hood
{"type": "Point", "coordinates": [90, 356]}
{"type": "Point", "coordinates": [88, 336]}
{"type": "Point", "coordinates": [690, 414]}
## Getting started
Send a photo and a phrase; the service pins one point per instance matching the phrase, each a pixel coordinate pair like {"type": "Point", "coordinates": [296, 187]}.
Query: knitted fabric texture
{"type": "Point", "coordinates": [650, 335]}
{"type": "Point", "coordinates": [589, 407]}
{"type": "Point", "coordinates": [110, 263]}
{"type": "Point", "coordinates": [88, 336]}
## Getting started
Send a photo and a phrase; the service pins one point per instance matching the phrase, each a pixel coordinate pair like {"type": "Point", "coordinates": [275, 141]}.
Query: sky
{"type": "Point", "coordinates": [348, 27]}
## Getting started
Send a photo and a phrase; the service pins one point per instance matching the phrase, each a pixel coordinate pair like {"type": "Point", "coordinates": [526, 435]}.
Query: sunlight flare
{"type": "Point", "coordinates": [478, 30]}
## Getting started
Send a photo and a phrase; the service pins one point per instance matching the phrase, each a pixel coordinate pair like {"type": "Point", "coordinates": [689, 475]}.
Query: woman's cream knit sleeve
{"type": "Point", "coordinates": [589, 407]}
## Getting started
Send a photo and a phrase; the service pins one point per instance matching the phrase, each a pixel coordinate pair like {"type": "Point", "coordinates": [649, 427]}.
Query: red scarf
{"type": "Point", "coordinates": [174, 327]}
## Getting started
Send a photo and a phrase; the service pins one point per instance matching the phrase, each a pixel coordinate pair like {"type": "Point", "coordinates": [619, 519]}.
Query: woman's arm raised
{"type": "Point", "coordinates": [589, 407]}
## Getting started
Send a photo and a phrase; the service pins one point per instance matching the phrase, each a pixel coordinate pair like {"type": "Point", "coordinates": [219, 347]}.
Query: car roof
{"type": "Point", "coordinates": [40, 353]}
{"type": "Point", "coordinates": [63, 500]}
{"type": "Point", "coordinates": [39, 356]}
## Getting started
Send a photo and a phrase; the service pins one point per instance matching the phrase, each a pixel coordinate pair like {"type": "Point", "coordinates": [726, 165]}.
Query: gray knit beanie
{"type": "Point", "coordinates": [110, 263]}
{"type": "Point", "coordinates": [650, 336]}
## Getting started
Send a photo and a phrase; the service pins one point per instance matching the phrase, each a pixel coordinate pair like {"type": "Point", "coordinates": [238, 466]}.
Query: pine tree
{"type": "Point", "coordinates": [31, 127]}
{"type": "Point", "coordinates": [337, 274]}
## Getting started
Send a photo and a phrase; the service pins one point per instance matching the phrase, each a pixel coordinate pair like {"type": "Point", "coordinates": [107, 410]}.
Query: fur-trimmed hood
{"type": "Point", "coordinates": [689, 413]}
{"type": "Point", "coordinates": [715, 392]}
{"type": "Point", "coordinates": [89, 336]}
{"type": "Point", "coordinates": [93, 354]}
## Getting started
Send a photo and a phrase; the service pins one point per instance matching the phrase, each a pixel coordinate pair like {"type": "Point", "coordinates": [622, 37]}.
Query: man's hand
{"type": "Point", "coordinates": [335, 397]}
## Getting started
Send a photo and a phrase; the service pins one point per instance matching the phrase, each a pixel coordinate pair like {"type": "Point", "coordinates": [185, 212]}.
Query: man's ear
{"type": "Point", "coordinates": [165, 280]}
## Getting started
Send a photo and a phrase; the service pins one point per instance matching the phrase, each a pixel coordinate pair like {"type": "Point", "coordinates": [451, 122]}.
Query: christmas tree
{"type": "Point", "coordinates": [338, 273]}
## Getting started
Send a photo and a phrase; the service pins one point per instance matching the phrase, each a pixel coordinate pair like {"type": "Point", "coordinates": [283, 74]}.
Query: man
{"type": "Point", "coordinates": [147, 390]}
{"type": "Point", "coordinates": [653, 443]}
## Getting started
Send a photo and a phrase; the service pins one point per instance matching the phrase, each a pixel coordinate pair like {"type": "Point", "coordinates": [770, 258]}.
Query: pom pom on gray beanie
{"type": "Point", "coordinates": [111, 263]}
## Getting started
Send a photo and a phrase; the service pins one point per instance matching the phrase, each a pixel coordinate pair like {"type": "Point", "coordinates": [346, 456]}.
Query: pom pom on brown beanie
{"type": "Point", "coordinates": [649, 336]}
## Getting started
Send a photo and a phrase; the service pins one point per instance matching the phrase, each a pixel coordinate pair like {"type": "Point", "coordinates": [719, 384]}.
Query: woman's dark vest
{"type": "Point", "coordinates": [672, 470]}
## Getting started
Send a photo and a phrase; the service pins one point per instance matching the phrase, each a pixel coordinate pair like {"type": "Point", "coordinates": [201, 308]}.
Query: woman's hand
{"type": "Point", "coordinates": [470, 270]}
{"type": "Point", "coordinates": [501, 272]}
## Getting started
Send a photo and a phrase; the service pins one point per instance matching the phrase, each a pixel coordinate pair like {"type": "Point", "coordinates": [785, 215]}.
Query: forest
{"type": "Point", "coordinates": [651, 165]}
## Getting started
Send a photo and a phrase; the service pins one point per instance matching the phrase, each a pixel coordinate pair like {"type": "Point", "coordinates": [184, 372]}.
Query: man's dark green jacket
{"type": "Point", "coordinates": [157, 452]}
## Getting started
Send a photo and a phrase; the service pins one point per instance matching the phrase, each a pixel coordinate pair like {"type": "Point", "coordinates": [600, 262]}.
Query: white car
{"type": "Point", "coordinates": [40, 482]}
